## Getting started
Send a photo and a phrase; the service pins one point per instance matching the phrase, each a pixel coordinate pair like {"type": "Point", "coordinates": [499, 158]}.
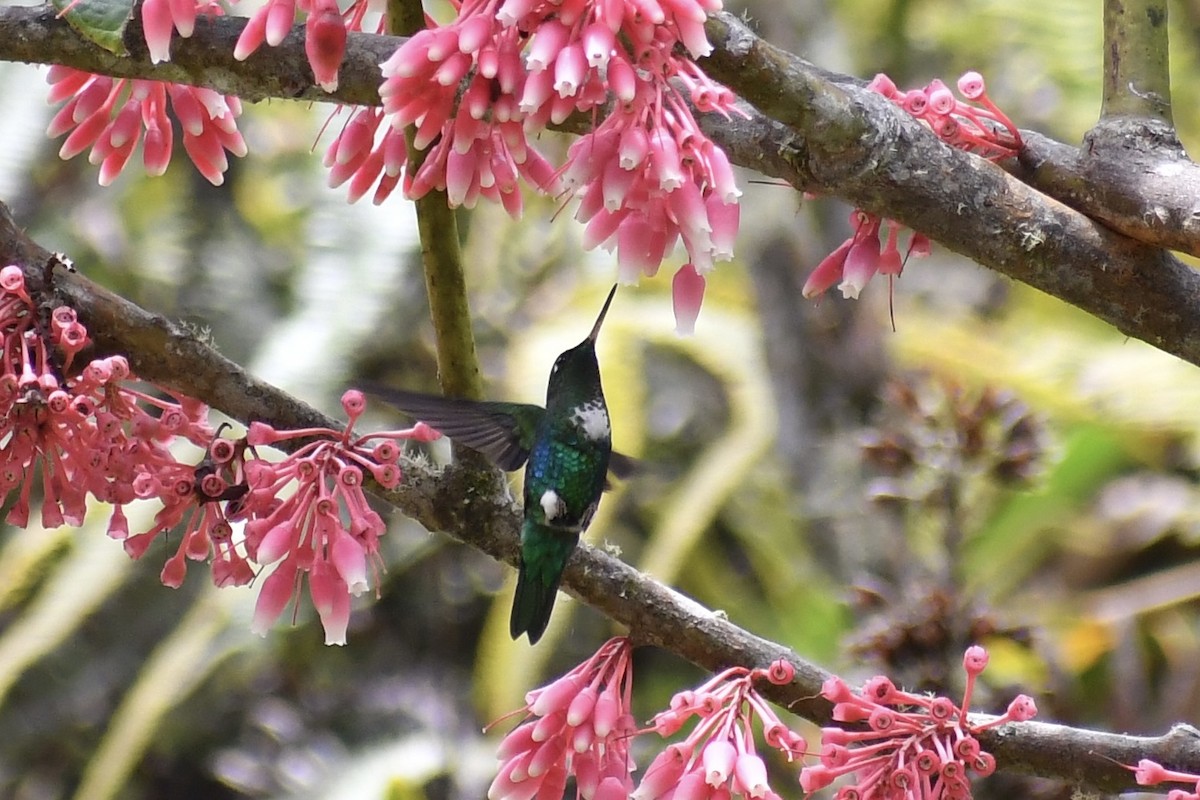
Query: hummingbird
{"type": "Point", "coordinates": [566, 449]}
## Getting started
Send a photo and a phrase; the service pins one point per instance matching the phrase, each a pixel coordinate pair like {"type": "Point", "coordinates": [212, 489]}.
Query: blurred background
{"type": "Point", "coordinates": [998, 467]}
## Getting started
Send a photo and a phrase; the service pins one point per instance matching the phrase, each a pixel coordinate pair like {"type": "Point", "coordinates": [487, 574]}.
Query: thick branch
{"type": "Point", "coordinates": [449, 501]}
{"type": "Point", "coordinates": [839, 139]}
{"type": "Point", "coordinates": [896, 168]}
{"type": "Point", "coordinates": [36, 36]}
{"type": "Point", "coordinates": [1133, 176]}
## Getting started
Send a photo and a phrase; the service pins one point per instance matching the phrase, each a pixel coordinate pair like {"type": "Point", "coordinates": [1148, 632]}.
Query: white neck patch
{"type": "Point", "coordinates": [592, 418]}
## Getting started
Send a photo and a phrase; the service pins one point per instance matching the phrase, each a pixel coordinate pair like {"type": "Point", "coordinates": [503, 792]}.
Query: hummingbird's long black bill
{"type": "Point", "coordinates": [600, 319]}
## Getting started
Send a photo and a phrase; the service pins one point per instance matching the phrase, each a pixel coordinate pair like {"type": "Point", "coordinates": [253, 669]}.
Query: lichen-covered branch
{"type": "Point", "coordinates": [449, 501]}
{"type": "Point", "coordinates": [838, 138]}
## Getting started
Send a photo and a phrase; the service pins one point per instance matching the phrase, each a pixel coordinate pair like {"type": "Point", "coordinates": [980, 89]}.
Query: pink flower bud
{"type": "Point", "coordinates": [157, 25]}
{"type": "Point", "coordinates": [277, 542]}
{"type": "Point", "coordinates": [519, 740]}
{"type": "Point", "coordinates": [12, 280]}
{"type": "Point", "coordinates": [687, 294]}
{"type": "Point", "coordinates": [663, 773]}
{"type": "Point", "coordinates": [549, 38]}
{"type": "Point", "coordinates": [751, 774]}
{"type": "Point", "coordinates": [971, 85]}
{"type": "Point", "coordinates": [349, 561]}
{"type": "Point", "coordinates": [827, 274]}
{"type": "Point", "coordinates": [118, 524]}
{"type": "Point", "coordinates": [570, 69]}
{"type": "Point", "coordinates": [718, 758]}
{"type": "Point", "coordinates": [622, 79]}
{"type": "Point", "coordinates": [975, 660]}
{"type": "Point", "coordinates": [547, 755]}
{"type": "Point", "coordinates": [174, 571]}
{"type": "Point", "coordinates": [984, 764]}
{"type": "Point", "coordinates": [862, 262]}
{"type": "Point", "coordinates": [814, 778]}
{"type": "Point", "coordinates": [475, 32]}
{"type": "Point", "coordinates": [332, 602]}
{"type": "Point", "coordinates": [260, 433]}
{"type": "Point", "coordinates": [942, 708]}
{"type": "Point", "coordinates": [883, 85]}
{"type": "Point", "coordinates": [607, 711]}
{"type": "Point", "coordinates": [941, 99]}
{"type": "Point", "coordinates": [274, 596]}
{"type": "Point", "coordinates": [253, 35]}
{"type": "Point", "coordinates": [1022, 708]}
{"type": "Point", "coordinates": [582, 738]}
{"type": "Point", "coordinates": [598, 44]}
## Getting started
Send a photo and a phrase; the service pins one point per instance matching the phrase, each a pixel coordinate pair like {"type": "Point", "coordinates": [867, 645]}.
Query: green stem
{"type": "Point", "coordinates": [1137, 80]}
{"type": "Point", "coordinates": [441, 256]}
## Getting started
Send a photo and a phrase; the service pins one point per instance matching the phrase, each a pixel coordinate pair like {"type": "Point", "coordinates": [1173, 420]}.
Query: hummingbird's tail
{"type": "Point", "coordinates": [544, 554]}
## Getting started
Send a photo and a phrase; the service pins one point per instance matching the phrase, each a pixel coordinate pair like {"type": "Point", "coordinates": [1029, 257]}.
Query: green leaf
{"type": "Point", "coordinates": [102, 21]}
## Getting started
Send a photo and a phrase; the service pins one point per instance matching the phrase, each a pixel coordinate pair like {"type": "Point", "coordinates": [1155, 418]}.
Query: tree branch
{"type": "Point", "coordinates": [839, 139]}
{"type": "Point", "coordinates": [441, 256]}
{"type": "Point", "coordinates": [164, 353]}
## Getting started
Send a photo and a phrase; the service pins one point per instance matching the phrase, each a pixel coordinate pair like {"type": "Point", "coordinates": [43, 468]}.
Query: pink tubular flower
{"type": "Point", "coordinates": [110, 115]}
{"type": "Point", "coordinates": [88, 431]}
{"type": "Point", "coordinates": [324, 527]}
{"type": "Point", "coordinates": [580, 725]}
{"type": "Point", "coordinates": [325, 32]}
{"type": "Point", "coordinates": [476, 88]}
{"type": "Point", "coordinates": [325, 42]}
{"type": "Point", "coordinates": [862, 256]}
{"type": "Point", "coordinates": [913, 746]}
{"type": "Point", "coordinates": [974, 124]}
{"type": "Point", "coordinates": [1151, 773]}
{"type": "Point", "coordinates": [162, 17]}
{"type": "Point", "coordinates": [719, 757]}
{"type": "Point", "coordinates": [687, 292]}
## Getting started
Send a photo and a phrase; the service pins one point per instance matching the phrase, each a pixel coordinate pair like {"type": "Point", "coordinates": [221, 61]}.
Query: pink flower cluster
{"type": "Point", "coordinates": [974, 124]}
{"type": "Point", "coordinates": [85, 434]}
{"type": "Point", "coordinates": [91, 431]}
{"type": "Point", "coordinates": [913, 746]}
{"type": "Point", "coordinates": [719, 759]}
{"type": "Point", "coordinates": [1151, 773]}
{"type": "Point", "coordinates": [477, 87]}
{"type": "Point", "coordinates": [474, 89]}
{"type": "Point", "coordinates": [864, 255]}
{"type": "Point", "coordinates": [112, 116]}
{"type": "Point", "coordinates": [324, 527]}
{"type": "Point", "coordinates": [578, 726]}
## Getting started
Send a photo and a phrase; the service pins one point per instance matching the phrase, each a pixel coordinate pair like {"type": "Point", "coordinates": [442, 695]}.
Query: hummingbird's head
{"type": "Point", "coordinates": [575, 376]}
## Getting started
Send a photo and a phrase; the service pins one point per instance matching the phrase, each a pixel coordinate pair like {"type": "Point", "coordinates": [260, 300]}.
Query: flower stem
{"type": "Point", "coordinates": [1136, 46]}
{"type": "Point", "coordinates": [441, 255]}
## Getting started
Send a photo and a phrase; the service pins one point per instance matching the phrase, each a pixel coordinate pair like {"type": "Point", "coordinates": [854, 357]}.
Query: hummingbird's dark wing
{"type": "Point", "coordinates": [503, 432]}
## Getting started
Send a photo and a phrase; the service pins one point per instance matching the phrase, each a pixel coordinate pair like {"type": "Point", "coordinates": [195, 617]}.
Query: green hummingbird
{"type": "Point", "coordinates": [566, 448]}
